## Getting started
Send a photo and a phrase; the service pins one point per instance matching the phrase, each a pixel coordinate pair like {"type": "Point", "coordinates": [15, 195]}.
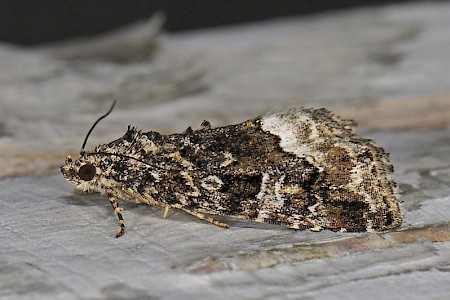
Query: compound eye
{"type": "Point", "coordinates": [87, 172]}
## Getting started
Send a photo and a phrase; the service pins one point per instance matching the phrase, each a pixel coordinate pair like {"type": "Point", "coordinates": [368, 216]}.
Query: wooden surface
{"type": "Point", "coordinates": [386, 68]}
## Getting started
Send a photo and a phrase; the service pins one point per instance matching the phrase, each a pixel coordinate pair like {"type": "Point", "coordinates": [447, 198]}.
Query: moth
{"type": "Point", "coordinates": [303, 168]}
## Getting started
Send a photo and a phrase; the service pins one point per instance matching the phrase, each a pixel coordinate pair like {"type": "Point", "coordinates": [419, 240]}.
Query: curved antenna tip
{"type": "Point", "coordinates": [96, 122]}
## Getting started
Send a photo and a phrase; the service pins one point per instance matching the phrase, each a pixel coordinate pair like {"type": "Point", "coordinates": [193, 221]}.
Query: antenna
{"type": "Point", "coordinates": [133, 158]}
{"type": "Point", "coordinates": [96, 122]}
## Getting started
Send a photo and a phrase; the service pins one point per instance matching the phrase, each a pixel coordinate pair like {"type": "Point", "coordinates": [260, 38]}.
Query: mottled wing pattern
{"type": "Point", "coordinates": [303, 168]}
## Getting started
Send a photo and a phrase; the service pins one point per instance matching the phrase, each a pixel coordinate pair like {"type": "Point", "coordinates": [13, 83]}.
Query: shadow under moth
{"type": "Point", "coordinates": [304, 168]}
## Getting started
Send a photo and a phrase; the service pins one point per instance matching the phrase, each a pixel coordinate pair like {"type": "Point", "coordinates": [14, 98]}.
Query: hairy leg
{"type": "Point", "coordinates": [118, 210]}
{"type": "Point", "coordinates": [203, 217]}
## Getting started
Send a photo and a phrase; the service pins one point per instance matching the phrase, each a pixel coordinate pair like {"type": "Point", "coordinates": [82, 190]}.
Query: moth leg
{"type": "Point", "coordinates": [203, 217]}
{"type": "Point", "coordinates": [118, 210]}
{"type": "Point", "coordinates": [166, 211]}
{"type": "Point", "coordinates": [315, 228]}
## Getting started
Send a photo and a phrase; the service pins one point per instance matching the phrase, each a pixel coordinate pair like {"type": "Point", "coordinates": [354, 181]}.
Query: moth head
{"type": "Point", "coordinates": [107, 166]}
{"type": "Point", "coordinates": [84, 171]}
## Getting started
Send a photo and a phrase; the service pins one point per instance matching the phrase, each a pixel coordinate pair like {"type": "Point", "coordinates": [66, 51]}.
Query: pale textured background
{"type": "Point", "coordinates": [387, 68]}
